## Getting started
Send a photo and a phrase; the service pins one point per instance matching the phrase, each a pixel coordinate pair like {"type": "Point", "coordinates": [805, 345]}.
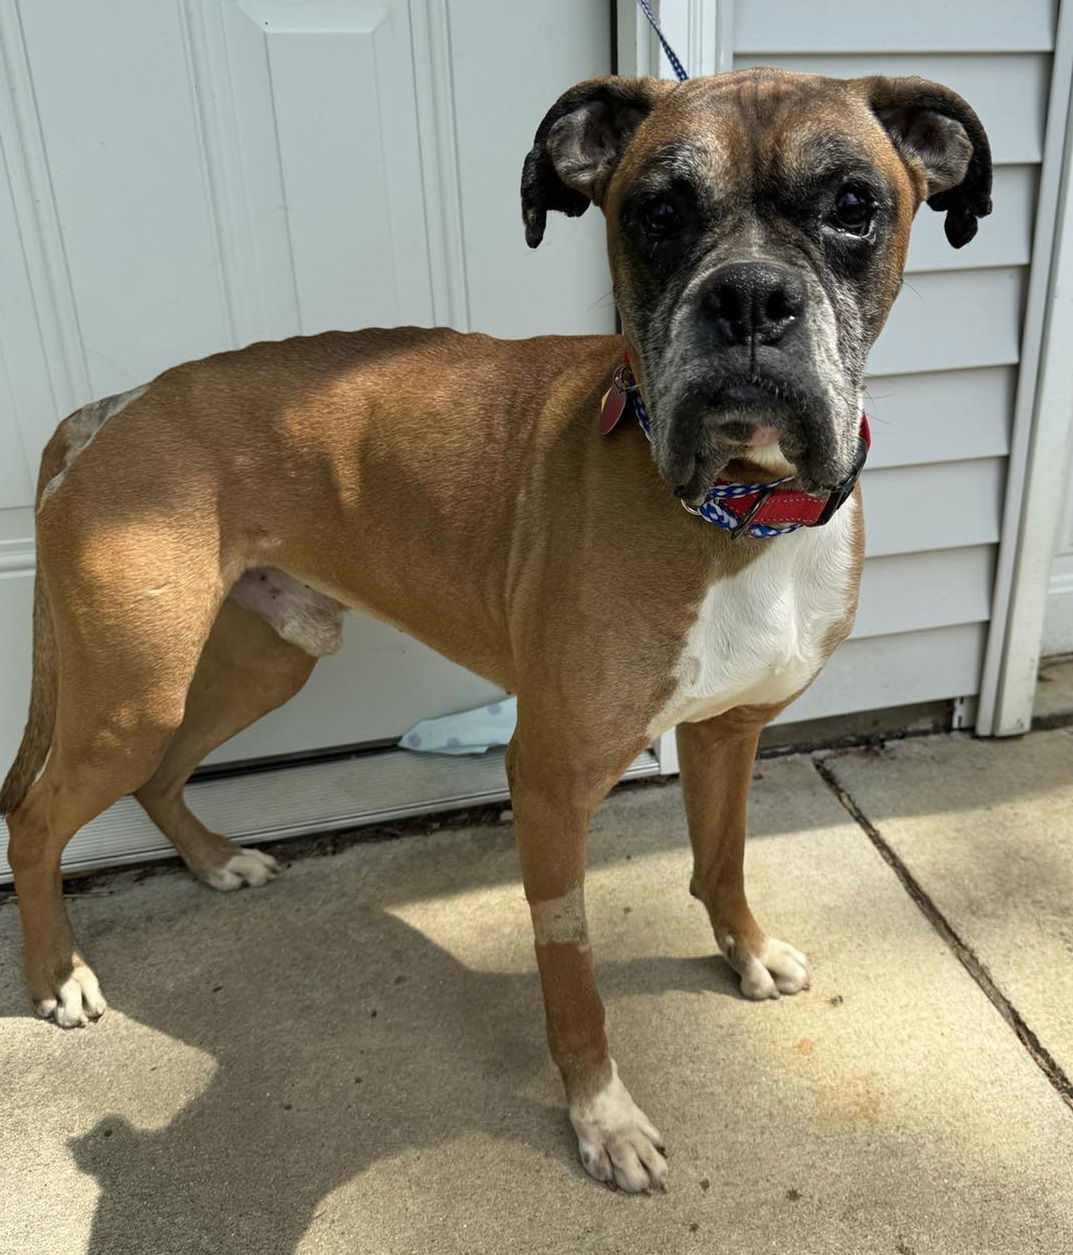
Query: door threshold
{"type": "Point", "coordinates": [299, 800]}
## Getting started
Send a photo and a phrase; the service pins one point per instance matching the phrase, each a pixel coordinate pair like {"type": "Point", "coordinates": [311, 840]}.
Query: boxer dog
{"type": "Point", "coordinates": [199, 538]}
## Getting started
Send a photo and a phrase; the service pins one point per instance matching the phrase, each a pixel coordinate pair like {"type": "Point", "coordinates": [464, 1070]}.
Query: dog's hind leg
{"type": "Point", "coordinates": [131, 610]}
{"type": "Point", "coordinates": [246, 669]}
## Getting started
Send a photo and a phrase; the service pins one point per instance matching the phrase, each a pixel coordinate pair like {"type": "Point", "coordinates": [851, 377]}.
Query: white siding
{"type": "Point", "coordinates": [1058, 626]}
{"type": "Point", "coordinates": [918, 26]}
{"type": "Point", "coordinates": [944, 371]}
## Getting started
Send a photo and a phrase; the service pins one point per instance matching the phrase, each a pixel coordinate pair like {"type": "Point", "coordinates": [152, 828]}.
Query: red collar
{"type": "Point", "coordinates": [758, 510]}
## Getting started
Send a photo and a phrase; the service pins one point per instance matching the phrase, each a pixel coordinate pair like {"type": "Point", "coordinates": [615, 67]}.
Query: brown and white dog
{"type": "Point", "coordinates": [200, 537]}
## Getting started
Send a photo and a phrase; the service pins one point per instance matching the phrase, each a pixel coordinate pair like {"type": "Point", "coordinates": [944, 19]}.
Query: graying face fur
{"type": "Point", "coordinates": [757, 230]}
{"type": "Point", "coordinates": [753, 305]}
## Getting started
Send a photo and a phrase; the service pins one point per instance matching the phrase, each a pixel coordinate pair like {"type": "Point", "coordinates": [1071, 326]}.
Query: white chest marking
{"type": "Point", "coordinates": [760, 635]}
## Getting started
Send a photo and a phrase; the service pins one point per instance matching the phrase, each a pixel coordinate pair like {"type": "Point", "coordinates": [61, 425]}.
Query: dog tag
{"type": "Point", "coordinates": [612, 407]}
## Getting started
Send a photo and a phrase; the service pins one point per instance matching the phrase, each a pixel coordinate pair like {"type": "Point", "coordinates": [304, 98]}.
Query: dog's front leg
{"type": "Point", "coordinates": [552, 807]}
{"type": "Point", "coordinates": [716, 761]}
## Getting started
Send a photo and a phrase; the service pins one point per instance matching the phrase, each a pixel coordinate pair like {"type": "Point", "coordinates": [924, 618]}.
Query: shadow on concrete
{"type": "Point", "coordinates": [341, 1041]}
{"type": "Point", "coordinates": [345, 1038]}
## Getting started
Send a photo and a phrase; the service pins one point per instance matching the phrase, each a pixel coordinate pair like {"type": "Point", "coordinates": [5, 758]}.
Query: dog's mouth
{"type": "Point", "coordinates": [751, 423]}
{"type": "Point", "coordinates": [749, 418]}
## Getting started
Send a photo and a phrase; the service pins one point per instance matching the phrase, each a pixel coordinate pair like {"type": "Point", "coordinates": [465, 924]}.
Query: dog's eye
{"type": "Point", "coordinates": [660, 219]}
{"type": "Point", "coordinates": [854, 209]}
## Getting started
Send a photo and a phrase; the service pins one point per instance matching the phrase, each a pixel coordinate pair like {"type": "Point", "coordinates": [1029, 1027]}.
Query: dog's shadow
{"type": "Point", "coordinates": [345, 1040]}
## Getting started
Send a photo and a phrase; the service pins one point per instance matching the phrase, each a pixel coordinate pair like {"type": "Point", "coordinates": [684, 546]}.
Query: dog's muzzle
{"type": "Point", "coordinates": [752, 357]}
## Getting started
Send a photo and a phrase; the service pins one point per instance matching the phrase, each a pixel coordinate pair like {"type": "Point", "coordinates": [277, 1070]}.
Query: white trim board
{"type": "Point", "coordinates": [1041, 433]}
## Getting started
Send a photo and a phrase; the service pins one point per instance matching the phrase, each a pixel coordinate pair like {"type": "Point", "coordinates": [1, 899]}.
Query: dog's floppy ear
{"type": "Point", "coordinates": [934, 129]}
{"type": "Point", "coordinates": [578, 145]}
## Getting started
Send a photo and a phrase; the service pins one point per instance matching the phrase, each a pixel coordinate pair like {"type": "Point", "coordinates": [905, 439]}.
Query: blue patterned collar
{"type": "Point", "coordinates": [761, 511]}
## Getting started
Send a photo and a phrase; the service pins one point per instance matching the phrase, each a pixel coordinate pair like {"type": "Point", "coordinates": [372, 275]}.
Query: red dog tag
{"type": "Point", "coordinates": [612, 408]}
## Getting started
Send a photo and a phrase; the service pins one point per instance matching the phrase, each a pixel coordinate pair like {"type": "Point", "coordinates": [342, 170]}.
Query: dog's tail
{"type": "Point", "coordinates": [39, 723]}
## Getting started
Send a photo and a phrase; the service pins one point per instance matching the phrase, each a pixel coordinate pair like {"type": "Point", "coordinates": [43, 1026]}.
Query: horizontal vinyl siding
{"type": "Point", "coordinates": [1009, 92]}
{"type": "Point", "coordinates": [949, 586]}
{"type": "Point", "coordinates": [1006, 239]}
{"type": "Point", "coordinates": [949, 319]}
{"type": "Point", "coordinates": [943, 374]}
{"type": "Point", "coordinates": [877, 672]}
{"type": "Point", "coordinates": [927, 26]}
{"type": "Point", "coordinates": [947, 416]}
{"type": "Point", "coordinates": [933, 506]}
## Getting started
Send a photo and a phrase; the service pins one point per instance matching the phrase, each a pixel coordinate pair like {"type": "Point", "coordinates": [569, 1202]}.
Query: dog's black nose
{"type": "Point", "coordinates": [753, 302]}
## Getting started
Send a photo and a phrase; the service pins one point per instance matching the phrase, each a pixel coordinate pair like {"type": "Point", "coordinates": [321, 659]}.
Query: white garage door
{"type": "Point", "coordinates": [185, 177]}
{"type": "Point", "coordinates": [188, 177]}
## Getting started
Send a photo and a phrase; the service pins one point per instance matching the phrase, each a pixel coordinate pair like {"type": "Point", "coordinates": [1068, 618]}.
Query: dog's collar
{"type": "Point", "coordinates": [757, 510]}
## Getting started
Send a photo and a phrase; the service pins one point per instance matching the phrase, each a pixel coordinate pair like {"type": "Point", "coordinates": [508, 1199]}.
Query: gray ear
{"type": "Point", "coordinates": [578, 145]}
{"type": "Point", "coordinates": [932, 126]}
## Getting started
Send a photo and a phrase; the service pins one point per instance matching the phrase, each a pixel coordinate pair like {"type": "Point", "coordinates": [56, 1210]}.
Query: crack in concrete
{"type": "Point", "coordinates": [965, 955]}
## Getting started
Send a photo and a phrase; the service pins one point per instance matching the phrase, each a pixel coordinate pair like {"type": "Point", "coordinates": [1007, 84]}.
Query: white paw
{"type": "Point", "coordinates": [617, 1141]}
{"type": "Point", "coordinates": [76, 1001]}
{"type": "Point", "coordinates": [246, 867]}
{"type": "Point", "coordinates": [779, 968]}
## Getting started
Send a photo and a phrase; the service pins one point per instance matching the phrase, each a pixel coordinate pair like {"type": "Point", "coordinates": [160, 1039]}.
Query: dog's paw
{"type": "Point", "coordinates": [617, 1142]}
{"type": "Point", "coordinates": [776, 968]}
{"type": "Point", "coordinates": [74, 1001]}
{"type": "Point", "coordinates": [244, 867]}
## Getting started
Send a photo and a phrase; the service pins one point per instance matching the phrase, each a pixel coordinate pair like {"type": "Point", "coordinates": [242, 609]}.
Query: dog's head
{"type": "Point", "coordinates": [757, 227]}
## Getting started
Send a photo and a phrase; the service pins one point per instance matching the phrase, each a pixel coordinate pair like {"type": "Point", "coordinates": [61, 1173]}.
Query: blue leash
{"type": "Point", "coordinates": [676, 65]}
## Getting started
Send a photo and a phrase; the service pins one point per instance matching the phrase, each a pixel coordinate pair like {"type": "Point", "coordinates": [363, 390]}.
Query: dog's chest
{"type": "Point", "coordinates": [762, 634]}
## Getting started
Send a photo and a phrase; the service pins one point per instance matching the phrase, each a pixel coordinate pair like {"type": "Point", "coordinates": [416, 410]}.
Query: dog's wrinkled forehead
{"type": "Point", "coordinates": [736, 135]}
{"type": "Point", "coordinates": [603, 134]}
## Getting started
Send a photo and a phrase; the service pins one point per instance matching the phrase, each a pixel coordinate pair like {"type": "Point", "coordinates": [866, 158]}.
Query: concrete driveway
{"type": "Point", "coordinates": [352, 1059]}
